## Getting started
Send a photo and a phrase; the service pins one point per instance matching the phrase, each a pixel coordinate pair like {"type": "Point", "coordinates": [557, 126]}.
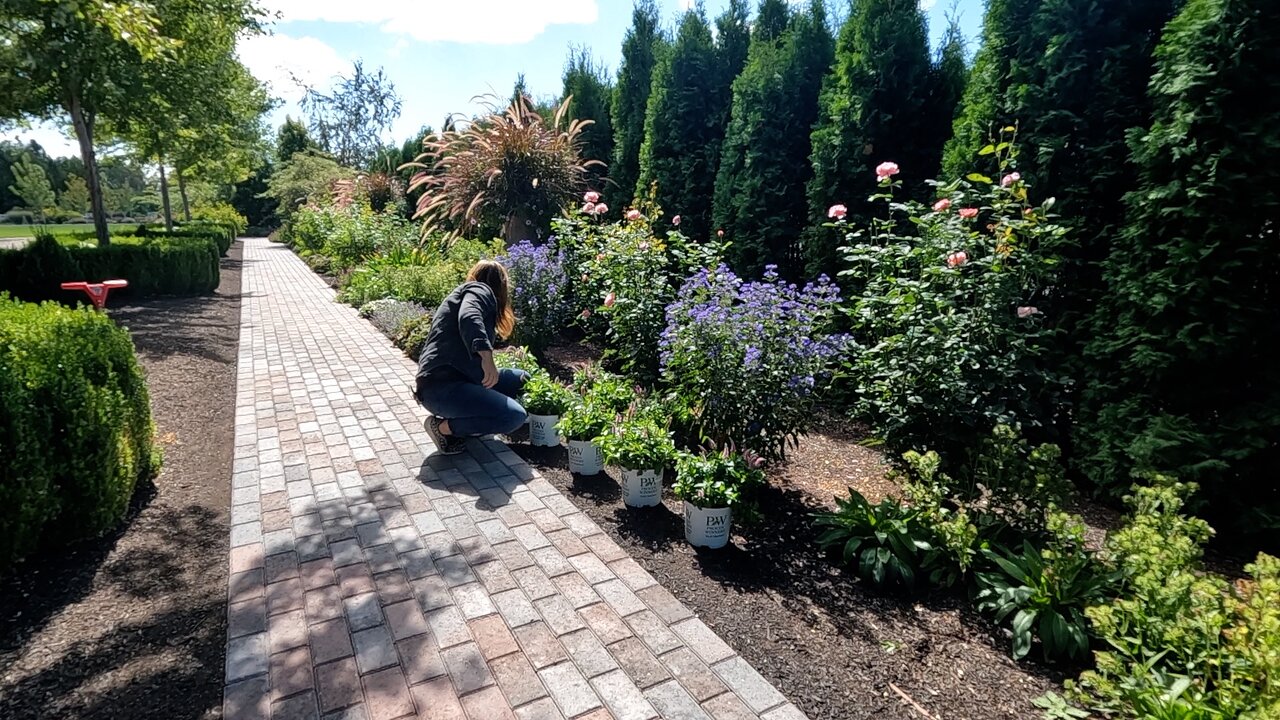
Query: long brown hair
{"type": "Point", "coordinates": [495, 276]}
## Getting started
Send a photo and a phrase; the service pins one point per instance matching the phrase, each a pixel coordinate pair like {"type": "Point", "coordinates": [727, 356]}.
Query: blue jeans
{"type": "Point", "coordinates": [473, 409]}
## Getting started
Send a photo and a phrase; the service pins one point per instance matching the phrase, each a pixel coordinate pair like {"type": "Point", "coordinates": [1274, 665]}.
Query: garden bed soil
{"type": "Point", "coordinates": [838, 650]}
{"type": "Point", "coordinates": [134, 624]}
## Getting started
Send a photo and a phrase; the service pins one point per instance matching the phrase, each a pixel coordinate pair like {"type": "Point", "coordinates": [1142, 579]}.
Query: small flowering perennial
{"type": "Point", "coordinates": [676, 221]}
{"type": "Point", "coordinates": [749, 357]}
{"type": "Point", "coordinates": [539, 291]}
{"type": "Point", "coordinates": [886, 170]}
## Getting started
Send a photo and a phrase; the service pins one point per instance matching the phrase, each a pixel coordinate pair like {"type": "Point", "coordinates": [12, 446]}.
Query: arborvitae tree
{"type": "Point", "coordinates": [1184, 376]}
{"type": "Point", "coordinates": [588, 86]}
{"type": "Point", "coordinates": [1008, 49]}
{"type": "Point", "coordinates": [772, 18]}
{"type": "Point", "coordinates": [293, 138]}
{"type": "Point", "coordinates": [733, 39]}
{"type": "Point", "coordinates": [631, 98]}
{"type": "Point", "coordinates": [682, 134]}
{"type": "Point", "coordinates": [874, 108]}
{"type": "Point", "coordinates": [946, 90]}
{"type": "Point", "coordinates": [760, 201]}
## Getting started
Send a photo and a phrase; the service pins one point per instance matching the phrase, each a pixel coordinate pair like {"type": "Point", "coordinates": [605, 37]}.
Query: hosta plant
{"type": "Point", "coordinates": [724, 479]}
{"type": "Point", "coordinates": [883, 544]}
{"type": "Point", "coordinates": [1043, 592]}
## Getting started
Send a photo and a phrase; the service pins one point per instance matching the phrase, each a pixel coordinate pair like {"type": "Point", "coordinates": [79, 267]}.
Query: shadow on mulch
{"type": "Point", "coordinates": [134, 624]}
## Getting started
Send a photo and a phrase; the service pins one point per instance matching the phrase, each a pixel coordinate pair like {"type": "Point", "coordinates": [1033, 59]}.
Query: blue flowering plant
{"type": "Point", "coordinates": [539, 292]}
{"type": "Point", "coordinates": [749, 359]}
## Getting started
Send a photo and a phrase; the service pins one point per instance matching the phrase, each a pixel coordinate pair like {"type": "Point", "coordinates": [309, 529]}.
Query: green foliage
{"type": "Point", "coordinates": [718, 480]}
{"type": "Point", "coordinates": [883, 544]}
{"type": "Point", "coordinates": [152, 265]}
{"type": "Point", "coordinates": [223, 214]}
{"type": "Point", "coordinates": [1182, 377]}
{"type": "Point", "coordinates": [424, 284]}
{"type": "Point", "coordinates": [684, 126]}
{"type": "Point", "coordinates": [640, 49]}
{"type": "Point", "coordinates": [588, 87]}
{"type": "Point", "coordinates": [32, 186]}
{"type": "Point", "coordinates": [759, 193]}
{"type": "Point", "coordinates": [545, 396]}
{"type": "Point", "coordinates": [307, 177]}
{"type": "Point", "coordinates": [584, 419]}
{"type": "Point", "coordinates": [291, 139]}
{"type": "Point", "coordinates": [733, 41]}
{"type": "Point", "coordinates": [517, 358]}
{"type": "Point", "coordinates": [873, 108]}
{"type": "Point", "coordinates": [1182, 643]}
{"type": "Point", "coordinates": [76, 419]}
{"type": "Point", "coordinates": [638, 441]}
{"type": "Point", "coordinates": [348, 120]}
{"type": "Point", "coordinates": [1043, 592]}
{"type": "Point", "coordinates": [951, 317]}
{"type": "Point", "coordinates": [412, 335]}
{"type": "Point", "coordinates": [75, 197]}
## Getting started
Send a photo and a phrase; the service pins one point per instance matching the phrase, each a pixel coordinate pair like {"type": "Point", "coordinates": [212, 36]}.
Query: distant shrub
{"type": "Point", "coordinates": [76, 422]}
{"type": "Point", "coordinates": [412, 335]}
{"type": "Point", "coordinates": [427, 286]}
{"type": "Point", "coordinates": [222, 214]}
{"type": "Point", "coordinates": [388, 314]}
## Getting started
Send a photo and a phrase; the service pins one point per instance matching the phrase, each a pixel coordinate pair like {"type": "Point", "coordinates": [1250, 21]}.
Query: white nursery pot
{"type": "Point", "coordinates": [585, 458]}
{"type": "Point", "coordinates": [708, 527]}
{"type": "Point", "coordinates": [542, 430]}
{"type": "Point", "coordinates": [641, 488]}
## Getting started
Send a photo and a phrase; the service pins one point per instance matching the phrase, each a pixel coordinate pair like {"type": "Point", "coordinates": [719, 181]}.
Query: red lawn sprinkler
{"type": "Point", "coordinates": [97, 292]}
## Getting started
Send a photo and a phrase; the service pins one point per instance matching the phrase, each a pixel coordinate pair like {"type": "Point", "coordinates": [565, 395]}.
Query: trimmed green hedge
{"type": "Point", "coordinates": [166, 265]}
{"type": "Point", "coordinates": [220, 234]}
{"type": "Point", "coordinates": [76, 421]}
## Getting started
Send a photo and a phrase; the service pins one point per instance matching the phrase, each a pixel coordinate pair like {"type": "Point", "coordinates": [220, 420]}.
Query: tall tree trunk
{"type": "Point", "coordinates": [84, 135]}
{"type": "Point", "coordinates": [182, 190]}
{"type": "Point", "coordinates": [164, 196]}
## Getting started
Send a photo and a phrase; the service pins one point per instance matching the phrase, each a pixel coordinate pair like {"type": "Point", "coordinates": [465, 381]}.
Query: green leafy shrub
{"type": "Point", "coordinates": [425, 285]}
{"type": "Point", "coordinates": [584, 419]}
{"type": "Point", "coordinates": [517, 358]}
{"type": "Point", "coordinates": [949, 317]}
{"type": "Point", "coordinates": [152, 265]}
{"type": "Point", "coordinates": [221, 213]}
{"type": "Point", "coordinates": [222, 236]}
{"type": "Point", "coordinates": [76, 418]}
{"type": "Point", "coordinates": [544, 396]}
{"type": "Point", "coordinates": [388, 315]}
{"type": "Point", "coordinates": [1043, 592]}
{"type": "Point", "coordinates": [412, 335]}
{"type": "Point", "coordinates": [612, 392]}
{"type": "Point", "coordinates": [883, 544]}
{"type": "Point", "coordinates": [1182, 642]}
{"type": "Point", "coordinates": [717, 480]}
{"type": "Point", "coordinates": [637, 441]}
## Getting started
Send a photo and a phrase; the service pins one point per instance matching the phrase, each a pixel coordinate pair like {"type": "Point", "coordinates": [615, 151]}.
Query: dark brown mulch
{"type": "Point", "coordinates": [833, 647]}
{"type": "Point", "coordinates": [134, 624]}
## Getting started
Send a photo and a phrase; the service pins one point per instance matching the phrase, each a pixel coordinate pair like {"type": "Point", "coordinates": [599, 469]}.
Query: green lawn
{"type": "Point", "coordinates": [21, 231]}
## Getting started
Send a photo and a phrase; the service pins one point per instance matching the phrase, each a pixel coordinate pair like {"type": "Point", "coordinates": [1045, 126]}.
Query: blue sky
{"type": "Point", "coordinates": [442, 53]}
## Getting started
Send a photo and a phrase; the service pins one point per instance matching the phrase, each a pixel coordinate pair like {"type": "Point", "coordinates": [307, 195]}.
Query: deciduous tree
{"type": "Point", "coordinates": [32, 185]}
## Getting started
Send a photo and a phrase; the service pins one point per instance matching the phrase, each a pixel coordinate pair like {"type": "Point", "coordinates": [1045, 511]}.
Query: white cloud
{"type": "Point", "coordinates": [278, 59]}
{"type": "Point", "coordinates": [927, 5]}
{"type": "Point", "coordinates": [494, 22]}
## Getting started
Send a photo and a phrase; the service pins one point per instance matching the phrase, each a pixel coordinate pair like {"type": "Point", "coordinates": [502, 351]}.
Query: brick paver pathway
{"type": "Point", "coordinates": [369, 581]}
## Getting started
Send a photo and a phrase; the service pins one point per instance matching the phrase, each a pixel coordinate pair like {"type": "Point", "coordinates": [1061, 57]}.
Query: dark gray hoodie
{"type": "Point", "coordinates": [462, 327]}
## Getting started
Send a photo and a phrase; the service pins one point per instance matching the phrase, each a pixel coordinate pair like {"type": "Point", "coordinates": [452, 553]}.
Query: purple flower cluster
{"type": "Point", "coordinates": [539, 292]}
{"type": "Point", "coordinates": [751, 354]}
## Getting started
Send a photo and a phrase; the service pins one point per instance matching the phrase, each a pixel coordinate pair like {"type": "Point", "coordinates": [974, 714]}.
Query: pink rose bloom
{"type": "Point", "coordinates": [644, 246]}
{"type": "Point", "coordinates": [1010, 179]}
{"type": "Point", "coordinates": [837, 212]}
{"type": "Point", "coordinates": [599, 257]}
{"type": "Point", "coordinates": [610, 299]}
{"type": "Point", "coordinates": [968, 213]}
{"type": "Point", "coordinates": [585, 314]}
{"type": "Point", "coordinates": [589, 209]}
{"type": "Point", "coordinates": [1026, 312]}
{"type": "Point", "coordinates": [592, 197]}
{"type": "Point", "coordinates": [956, 259]}
{"type": "Point", "coordinates": [584, 277]}
{"type": "Point", "coordinates": [633, 215]}
{"type": "Point", "coordinates": [886, 170]}
{"type": "Point", "coordinates": [676, 221]}
{"type": "Point", "coordinates": [602, 209]}
{"type": "Point", "coordinates": [719, 233]}
{"type": "Point", "coordinates": [942, 205]}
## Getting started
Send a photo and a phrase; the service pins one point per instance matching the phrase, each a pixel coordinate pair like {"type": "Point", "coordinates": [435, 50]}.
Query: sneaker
{"type": "Point", "coordinates": [445, 444]}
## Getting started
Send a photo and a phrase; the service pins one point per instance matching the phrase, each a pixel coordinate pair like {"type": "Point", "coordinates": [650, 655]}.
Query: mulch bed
{"type": "Point", "coordinates": [134, 624]}
{"type": "Point", "coordinates": [834, 648]}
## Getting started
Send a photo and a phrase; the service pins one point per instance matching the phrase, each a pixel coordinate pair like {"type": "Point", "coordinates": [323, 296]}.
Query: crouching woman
{"type": "Point", "coordinates": [457, 382]}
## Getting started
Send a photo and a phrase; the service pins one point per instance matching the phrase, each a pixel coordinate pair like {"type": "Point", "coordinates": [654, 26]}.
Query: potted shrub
{"type": "Point", "coordinates": [711, 485]}
{"type": "Point", "coordinates": [642, 448]}
{"type": "Point", "coordinates": [545, 400]}
{"type": "Point", "coordinates": [581, 423]}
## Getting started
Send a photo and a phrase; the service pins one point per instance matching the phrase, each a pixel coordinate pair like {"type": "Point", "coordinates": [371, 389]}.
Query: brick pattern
{"type": "Point", "coordinates": [371, 579]}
